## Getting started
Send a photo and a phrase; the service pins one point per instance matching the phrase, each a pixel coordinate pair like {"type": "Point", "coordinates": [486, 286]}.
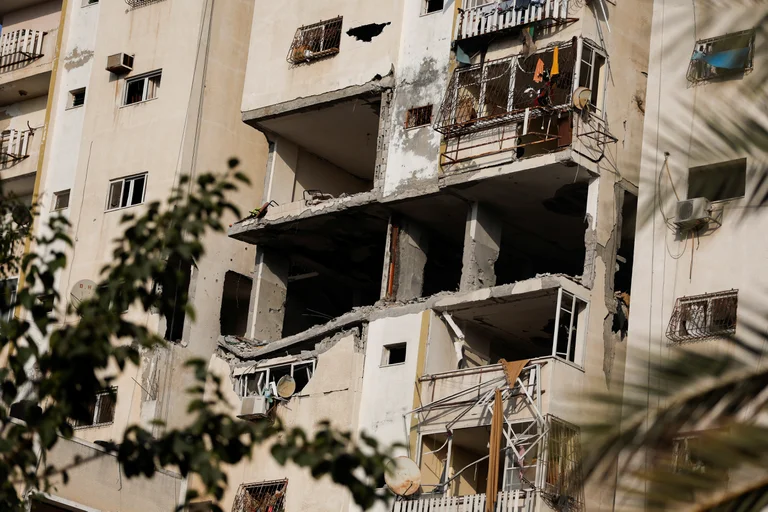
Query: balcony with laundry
{"type": "Point", "coordinates": [548, 104]}
{"type": "Point", "coordinates": [478, 18]}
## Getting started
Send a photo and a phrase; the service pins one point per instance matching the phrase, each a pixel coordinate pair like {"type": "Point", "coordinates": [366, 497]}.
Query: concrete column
{"type": "Point", "coordinates": [270, 286]}
{"type": "Point", "coordinates": [482, 244]}
{"type": "Point", "coordinates": [412, 250]}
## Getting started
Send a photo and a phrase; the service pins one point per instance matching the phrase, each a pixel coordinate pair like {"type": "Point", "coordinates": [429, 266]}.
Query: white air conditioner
{"type": "Point", "coordinates": [253, 407]}
{"type": "Point", "coordinates": [120, 63]}
{"type": "Point", "coordinates": [692, 212]}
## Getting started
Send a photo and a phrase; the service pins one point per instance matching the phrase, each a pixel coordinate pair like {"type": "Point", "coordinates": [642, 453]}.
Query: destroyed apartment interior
{"type": "Point", "coordinates": [440, 238]}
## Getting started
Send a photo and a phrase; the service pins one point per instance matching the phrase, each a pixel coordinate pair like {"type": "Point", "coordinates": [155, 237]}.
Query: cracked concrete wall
{"type": "Point", "coordinates": [268, 295]}
{"type": "Point", "coordinates": [271, 80]}
{"type": "Point", "coordinates": [412, 254]}
{"type": "Point", "coordinates": [482, 245]}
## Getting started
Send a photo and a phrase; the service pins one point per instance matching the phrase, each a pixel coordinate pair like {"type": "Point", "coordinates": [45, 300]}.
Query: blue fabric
{"type": "Point", "coordinates": [461, 56]}
{"type": "Point", "coordinates": [729, 59]}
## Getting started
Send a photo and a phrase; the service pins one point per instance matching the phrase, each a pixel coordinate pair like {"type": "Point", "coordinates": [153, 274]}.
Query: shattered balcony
{"type": "Point", "coordinates": [488, 18]}
{"type": "Point", "coordinates": [18, 160]}
{"type": "Point", "coordinates": [508, 109]}
{"type": "Point", "coordinates": [26, 61]}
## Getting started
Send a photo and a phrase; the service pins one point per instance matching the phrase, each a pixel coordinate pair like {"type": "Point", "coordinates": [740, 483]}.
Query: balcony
{"type": "Point", "coordinates": [26, 61]}
{"type": "Point", "coordinates": [492, 17]}
{"type": "Point", "coordinates": [14, 146]}
{"type": "Point", "coordinates": [511, 501]}
{"type": "Point", "coordinates": [18, 161]}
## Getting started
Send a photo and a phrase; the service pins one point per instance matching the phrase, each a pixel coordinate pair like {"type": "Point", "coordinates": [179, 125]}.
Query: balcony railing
{"type": "Point", "coordinates": [19, 47]}
{"type": "Point", "coordinates": [511, 501]}
{"type": "Point", "coordinates": [501, 15]}
{"type": "Point", "coordinates": [14, 146]}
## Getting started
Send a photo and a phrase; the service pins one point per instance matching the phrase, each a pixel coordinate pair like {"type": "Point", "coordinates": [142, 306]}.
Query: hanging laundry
{"type": "Point", "coordinates": [555, 62]}
{"type": "Point", "coordinates": [529, 47]}
{"type": "Point", "coordinates": [729, 59]}
{"type": "Point", "coordinates": [461, 56]}
{"type": "Point", "coordinates": [538, 3]}
{"type": "Point", "coordinates": [539, 72]}
{"type": "Point", "coordinates": [506, 5]}
{"type": "Point", "coordinates": [521, 5]}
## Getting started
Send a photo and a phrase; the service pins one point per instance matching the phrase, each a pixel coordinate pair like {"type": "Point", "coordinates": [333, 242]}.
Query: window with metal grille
{"type": "Point", "coordinates": [705, 316]}
{"type": "Point", "coordinates": [418, 116]}
{"type": "Point", "coordinates": [722, 56]}
{"type": "Point", "coordinates": [102, 408]}
{"type": "Point", "coordinates": [136, 4]}
{"type": "Point", "coordinates": [126, 192]}
{"type": "Point", "coordinates": [316, 41]}
{"type": "Point", "coordinates": [262, 496]}
{"type": "Point", "coordinates": [563, 483]}
{"type": "Point", "coordinates": [258, 381]}
{"type": "Point", "coordinates": [142, 88]}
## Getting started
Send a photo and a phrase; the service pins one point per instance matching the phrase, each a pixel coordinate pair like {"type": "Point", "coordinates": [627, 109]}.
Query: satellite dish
{"type": "Point", "coordinates": [82, 291]}
{"type": "Point", "coordinates": [286, 386]}
{"type": "Point", "coordinates": [21, 215]}
{"type": "Point", "coordinates": [402, 476]}
{"type": "Point", "coordinates": [582, 97]}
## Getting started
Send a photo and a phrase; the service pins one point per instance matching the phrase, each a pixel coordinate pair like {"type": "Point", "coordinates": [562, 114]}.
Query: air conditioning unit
{"type": "Point", "coordinates": [120, 63]}
{"type": "Point", "coordinates": [692, 212]}
{"type": "Point", "coordinates": [253, 407]}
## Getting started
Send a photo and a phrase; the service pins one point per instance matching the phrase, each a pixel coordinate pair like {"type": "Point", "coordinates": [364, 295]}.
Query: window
{"type": "Point", "coordinates": [260, 381]}
{"type": "Point", "coordinates": [261, 496]}
{"type": "Point", "coordinates": [434, 6]}
{"type": "Point", "coordinates": [235, 302]}
{"type": "Point", "coordinates": [135, 4]}
{"type": "Point", "coordinates": [86, 3]}
{"type": "Point", "coordinates": [722, 56]}
{"type": "Point", "coordinates": [76, 98]}
{"type": "Point", "coordinates": [718, 182]}
{"type": "Point", "coordinates": [143, 88]}
{"type": "Point", "coordinates": [126, 192]}
{"type": "Point", "coordinates": [563, 477]}
{"type": "Point", "coordinates": [102, 408]}
{"type": "Point", "coordinates": [7, 298]}
{"type": "Point", "coordinates": [313, 42]}
{"type": "Point", "coordinates": [705, 316]}
{"type": "Point", "coordinates": [393, 354]}
{"type": "Point", "coordinates": [591, 75]}
{"type": "Point", "coordinates": [418, 116]}
{"type": "Point", "coordinates": [61, 200]}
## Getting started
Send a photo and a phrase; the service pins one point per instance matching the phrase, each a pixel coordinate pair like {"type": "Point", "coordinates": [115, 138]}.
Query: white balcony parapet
{"type": "Point", "coordinates": [14, 145]}
{"type": "Point", "coordinates": [20, 46]}
{"type": "Point", "coordinates": [510, 501]}
{"type": "Point", "coordinates": [500, 15]}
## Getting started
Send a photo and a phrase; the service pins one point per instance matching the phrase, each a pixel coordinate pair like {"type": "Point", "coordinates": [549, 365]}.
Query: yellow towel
{"type": "Point", "coordinates": [555, 63]}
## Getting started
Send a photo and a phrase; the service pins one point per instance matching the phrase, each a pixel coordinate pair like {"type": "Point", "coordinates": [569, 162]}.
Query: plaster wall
{"type": "Point", "coordinates": [44, 16]}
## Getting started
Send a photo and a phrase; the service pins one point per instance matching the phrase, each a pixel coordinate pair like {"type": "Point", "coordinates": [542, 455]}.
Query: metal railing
{"type": "Point", "coordinates": [19, 47]}
{"type": "Point", "coordinates": [14, 146]}
{"type": "Point", "coordinates": [510, 501]}
{"type": "Point", "coordinates": [500, 15]}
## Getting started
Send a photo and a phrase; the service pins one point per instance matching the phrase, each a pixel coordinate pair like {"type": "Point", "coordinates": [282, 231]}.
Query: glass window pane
{"type": "Point", "coordinates": [126, 194]}
{"type": "Point", "coordinates": [153, 87]}
{"type": "Point", "coordinates": [135, 92]}
{"type": "Point", "coordinates": [115, 191]}
{"type": "Point", "coordinates": [137, 196]}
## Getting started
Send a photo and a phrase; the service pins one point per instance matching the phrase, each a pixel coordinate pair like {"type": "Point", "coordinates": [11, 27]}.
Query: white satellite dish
{"type": "Point", "coordinates": [402, 476]}
{"type": "Point", "coordinates": [82, 291]}
{"type": "Point", "coordinates": [286, 386]}
{"type": "Point", "coordinates": [582, 97]}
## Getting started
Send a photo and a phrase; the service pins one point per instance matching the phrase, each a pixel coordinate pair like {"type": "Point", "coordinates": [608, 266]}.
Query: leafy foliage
{"type": "Point", "coordinates": [57, 358]}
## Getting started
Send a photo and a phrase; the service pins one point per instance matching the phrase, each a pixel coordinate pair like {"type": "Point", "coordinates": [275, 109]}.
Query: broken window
{"type": "Point", "coordinates": [418, 116]}
{"type": "Point", "coordinates": [178, 286]}
{"type": "Point", "coordinates": [718, 182]}
{"type": "Point", "coordinates": [60, 200]}
{"type": "Point", "coordinates": [262, 496]}
{"type": "Point", "coordinates": [393, 354]}
{"type": "Point", "coordinates": [7, 298]}
{"type": "Point", "coordinates": [260, 381]}
{"type": "Point", "coordinates": [235, 302]}
{"type": "Point", "coordinates": [76, 98]}
{"type": "Point", "coordinates": [592, 75]}
{"type": "Point", "coordinates": [722, 56]}
{"type": "Point", "coordinates": [142, 88]}
{"type": "Point", "coordinates": [102, 409]}
{"type": "Point", "coordinates": [126, 192]}
{"type": "Point", "coordinates": [316, 41]}
{"type": "Point", "coordinates": [702, 317]}
{"type": "Point", "coordinates": [563, 484]}
{"type": "Point", "coordinates": [431, 6]}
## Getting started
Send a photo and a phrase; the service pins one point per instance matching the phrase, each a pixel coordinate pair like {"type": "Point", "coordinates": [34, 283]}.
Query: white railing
{"type": "Point", "coordinates": [497, 15]}
{"type": "Point", "coordinates": [20, 46]}
{"type": "Point", "coordinates": [512, 501]}
{"type": "Point", "coordinates": [14, 145]}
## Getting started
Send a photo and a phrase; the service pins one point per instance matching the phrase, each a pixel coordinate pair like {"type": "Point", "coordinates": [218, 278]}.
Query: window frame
{"type": "Point", "coordinates": [386, 353]}
{"type": "Point", "coordinates": [56, 195]}
{"type": "Point", "coordinates": [677, 330]}
{"type": "Point", "coordinates": [600, 93]}
{"type": "Point", "coordinates": [72, 98]}
{"type": "Point", "coordinates": [426, 12]}
{"type": "Point", "coordinates": [412, 115]}
{"type": "Point", "coordinates": [300, 40]}
{"type": "Point", "coordinates": [110, 392]}
{"type": "Point", "coordinates": [132, 178]}
{"type": "Point", "coordinates": [697, 171]}
{"type": "Point", "coordinates": [241, 385]}
{"type": "Point", "coordinates": [694, 74]}
{"type": "Point", "coordinates": [7, 316]}
{"type": "Point", "coordinates": [145, 78]}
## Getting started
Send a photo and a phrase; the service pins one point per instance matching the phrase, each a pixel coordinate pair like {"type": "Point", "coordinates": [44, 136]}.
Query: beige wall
{"type": "Point", "coordinates": [44, 16]}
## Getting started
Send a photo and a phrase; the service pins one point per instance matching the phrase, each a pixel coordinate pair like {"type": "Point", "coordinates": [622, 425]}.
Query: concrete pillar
{"type": "Point", "coordinates": [270, 286]}
{"type": "Point", "coordinates": [412, 250]}
{"type": "Point", "coordinates": [482, 244]}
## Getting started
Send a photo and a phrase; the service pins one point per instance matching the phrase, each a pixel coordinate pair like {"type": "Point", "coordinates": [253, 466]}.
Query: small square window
{"type": "Point", "coordinates": [76, 98]}
{"type": "Point", "coordinates": [393, 354]}
{"type": "Point", "coordinates": [433, 6]}
{"type": "Point", "coordinates": [418, 116]}
{"type": "Point", "coordinates": [126, 192]}
{"type": "Point", "coordinates": [61, 200]}
{"type": "Point", "coordinates": [718, 182]}
{"type": "Point", "coordinates": [143, 88]}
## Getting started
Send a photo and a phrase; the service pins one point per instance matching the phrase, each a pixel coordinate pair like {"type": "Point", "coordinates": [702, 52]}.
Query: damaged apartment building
{"type": "Point", "coordinates": [444, 244]}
